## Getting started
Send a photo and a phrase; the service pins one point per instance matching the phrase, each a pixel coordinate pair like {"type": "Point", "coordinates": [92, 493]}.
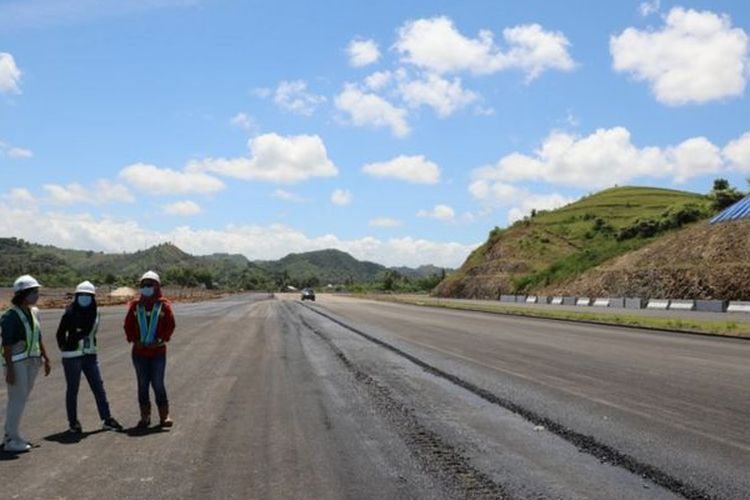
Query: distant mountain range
{"type": "Point", "coordinates": [55, 266]}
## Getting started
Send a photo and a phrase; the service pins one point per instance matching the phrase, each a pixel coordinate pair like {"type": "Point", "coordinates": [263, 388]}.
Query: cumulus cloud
{"type": "Point", "coordinates": [518, 200]}
{"type": "Point", "coordinates": [294, 97]}
{"type": "Point", "coordinates": [378, 80]}
{"type": "Point", "coordinates": [537, 202]}
{"type": "Point", "coordinates": [695, 57]}
{"type": "Point", "coordinates": [19, 197]}
{"type": "Point", "coordinates": [341, 197]}
{"type": "Point", "coordinates": [439, 212]}
{"type": "Point", "coordinates": [84, 231]}
{"type": "Point", "coordinates": [103, 191]}
{"type": "Point", "coordinates": [416, 169]}
{"type": "Point", "coordinates": [182, 208]}
{"type": "Point", "coordinates": [648, 8]}
{"type": "Point", "coordinates": [737, 153]}
{"type": "Point", "coordinates": [362, 52]}
{"type": "Point", "coordinates": [15, 152]}
{"type": "Point", "coordinates": [243, 121]}
{"type": "Point", "coordinates": [603, 158]}
{"type": "Point", "coordinates": [10, 75]}
{"type": "Point", "coordinates": [273, 158]}
{"type": "Point", "coordinates": [155, 180]}
{"type": "Point", "coordinates": [385, 222]}
{"type": "Point", "coordinates": [442, 95]}
{"type": "Point", "coordinates": [436, 45]}
{"type": "Point", "coordinates": [367, 109]}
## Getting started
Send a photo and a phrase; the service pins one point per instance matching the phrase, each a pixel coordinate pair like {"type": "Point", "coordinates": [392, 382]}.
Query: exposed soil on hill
{"type": "Point", "coordinates": [702, 261]}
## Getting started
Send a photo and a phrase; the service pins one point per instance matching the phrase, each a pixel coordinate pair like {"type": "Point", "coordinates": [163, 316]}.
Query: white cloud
{"type": "Point", "coordinates": [695, 58]}
{"type": "Point", "coordinates": [284, 195]}
{"type": "Point", "coordinates": [243, 121]}
{"type": "Point", "coordinates": [367, 109]}
{"type": "Point", "coordinates": [362, 52]}
{"type": "Point", "coordinates": [416, 169]}
{"type": "Point", "coordinates": [293, 96]}
{"type": "Point", "coordinates": [648, 8]}
{"type": "Point", "coordinates": [439, 212]}
{"type": "Point", "coordinates": [484, 111]}
{"type": "Point", "coordinates": [10, 75]}
{"type": "Point", "coordinates": [341, 197]}
{"type": "Point", "coordinates": [385, 222]}
{"type": "Point", "coordinates": [378, 80]}
{"type": "Point", "coordinates": [84, 231]}
{"type": "Point", "coordinates": [19, 197]}
{"type": "Point", "coordinates": [737, 153]}
{"type": "Point", "coordinates": [182, 208]}
{"type": "Point", "coordinates": [537, 202]}
{"type": "Point", "coordinates": [262, 92]}
{"type": "Point", "coordinates": [15, 152]}
{"type": "Point", "coordinates": [274, 158]}
{"type": "Point", "coordinates": [603, 158]}
{"type": "Point", "coordinates": [442, 95]}
{"type": "Point", "coordinates": [436, 45]}
{"type": "Point", "coordinates": [155, 180]}
{"type": "Point", "coordinates": [103, 191]}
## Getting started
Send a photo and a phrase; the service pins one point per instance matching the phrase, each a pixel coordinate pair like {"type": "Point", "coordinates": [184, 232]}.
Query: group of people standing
{"type": "Point", "coordinates": [149, 324]}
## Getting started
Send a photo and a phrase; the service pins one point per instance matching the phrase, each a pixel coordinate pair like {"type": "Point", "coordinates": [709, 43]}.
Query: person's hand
{"type": "Point", "coordinates": [10, 375]}
{"type": "Point", "coordinates": [47, 367]}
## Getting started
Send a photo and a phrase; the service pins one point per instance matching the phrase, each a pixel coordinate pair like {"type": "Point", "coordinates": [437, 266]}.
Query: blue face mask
{"type": "Point", "coordinates": [147, 291]}
{"type": "Point", "coordinates": [84, 300]}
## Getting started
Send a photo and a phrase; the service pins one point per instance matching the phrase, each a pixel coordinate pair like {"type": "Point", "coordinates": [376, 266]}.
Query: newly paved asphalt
{"type": "Point", "coordinates": [346, 398]}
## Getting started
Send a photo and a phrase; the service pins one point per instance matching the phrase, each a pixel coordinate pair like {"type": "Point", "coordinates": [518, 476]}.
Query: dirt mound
{"type": "Point", "coordinates": [702, 261]}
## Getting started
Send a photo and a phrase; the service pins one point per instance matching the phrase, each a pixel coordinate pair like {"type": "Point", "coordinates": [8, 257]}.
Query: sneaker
{"type": "Point", "coordinates": [16, 446]}
{"type": "Point", "coordinates": [75, 428]}
{"type": "Point", "coordinates": [111, 424]}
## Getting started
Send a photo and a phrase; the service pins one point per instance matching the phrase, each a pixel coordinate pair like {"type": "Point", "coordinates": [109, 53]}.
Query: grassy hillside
{"type": "Point", "coordinates": [553, 246]}
{"type": "Point", "coordinates": [323, 267]}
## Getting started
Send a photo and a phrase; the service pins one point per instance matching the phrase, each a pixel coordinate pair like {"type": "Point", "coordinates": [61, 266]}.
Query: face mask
{"type": "Point", "coordinates": [84, 300]}
{"type": "Point", "coordinates": [147, 291]}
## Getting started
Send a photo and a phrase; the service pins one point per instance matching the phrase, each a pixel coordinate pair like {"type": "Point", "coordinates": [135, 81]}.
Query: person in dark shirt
{"type": "Point", "coordinates": [23, 355]}
{"type": "Point", "coordinates": [76, 337]}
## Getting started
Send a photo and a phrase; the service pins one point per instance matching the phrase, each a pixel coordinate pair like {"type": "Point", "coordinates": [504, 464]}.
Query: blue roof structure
{"type": "Point", "coordinates": [740, 210]}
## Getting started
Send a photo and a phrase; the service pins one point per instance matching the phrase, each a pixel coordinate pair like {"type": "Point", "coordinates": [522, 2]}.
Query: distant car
{"type": "Point", "coordinates": [308, 294]}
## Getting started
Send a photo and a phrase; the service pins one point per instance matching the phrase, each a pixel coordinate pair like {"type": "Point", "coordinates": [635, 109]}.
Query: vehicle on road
{"type": "Point", "coordinates": [308, 294]}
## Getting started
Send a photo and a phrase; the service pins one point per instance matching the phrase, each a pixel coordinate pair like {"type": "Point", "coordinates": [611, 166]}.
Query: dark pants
{"type": "Point", "coordinates": [150, 372]}
{"type": "Point", "coordinates": [89, 365]}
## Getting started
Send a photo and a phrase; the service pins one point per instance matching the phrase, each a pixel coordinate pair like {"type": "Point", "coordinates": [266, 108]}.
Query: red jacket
{"type": "Point", "coordinates": [164, 328]}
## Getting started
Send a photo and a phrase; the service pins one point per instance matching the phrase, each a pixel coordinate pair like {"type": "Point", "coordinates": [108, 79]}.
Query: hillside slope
{"type": "Point", "coordinates": [556, 246]}
{"type": "Point", "coordinates": [702, 261]}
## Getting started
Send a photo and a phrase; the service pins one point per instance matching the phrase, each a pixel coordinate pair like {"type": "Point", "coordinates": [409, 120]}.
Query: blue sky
{"type": "Point", "coordinates": [401, 132]}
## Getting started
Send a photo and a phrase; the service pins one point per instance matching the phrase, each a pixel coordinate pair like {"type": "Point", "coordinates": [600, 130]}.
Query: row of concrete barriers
{"type": "Point", "coordinates": [633, 303]}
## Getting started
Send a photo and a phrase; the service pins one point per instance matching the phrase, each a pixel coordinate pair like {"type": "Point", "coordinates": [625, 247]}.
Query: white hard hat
{"type": "Point", "coordinates": [86, 287]}
{"type": "Point", "coordinates": [24, 283]}
{"type": "Point", "coordinates": [150, 275]}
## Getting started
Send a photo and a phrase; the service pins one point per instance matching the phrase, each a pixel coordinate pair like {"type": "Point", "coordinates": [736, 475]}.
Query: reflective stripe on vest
{"type": "Point", "coordinates": [86, 345]}
{"type": "Point", "coordinates": [148, 328]}
{"type": "Point", "coordinates": [32, 348]}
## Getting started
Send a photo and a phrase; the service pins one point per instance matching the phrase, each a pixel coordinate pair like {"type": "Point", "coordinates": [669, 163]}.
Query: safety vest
{"type": "Point", "coordinates": [31, 347]}
{"type": "Point", "coordinates": [86, 345]}
{"type": "Point", "coordinates": [147, 326]}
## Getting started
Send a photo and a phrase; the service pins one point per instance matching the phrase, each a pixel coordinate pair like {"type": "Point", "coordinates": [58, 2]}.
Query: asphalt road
{"type": "Point", "coordinates": [345, 398]}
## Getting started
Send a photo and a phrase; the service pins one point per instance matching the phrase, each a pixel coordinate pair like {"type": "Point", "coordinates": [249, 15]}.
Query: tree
{"type": "Point", "coordinates": [720, 184]}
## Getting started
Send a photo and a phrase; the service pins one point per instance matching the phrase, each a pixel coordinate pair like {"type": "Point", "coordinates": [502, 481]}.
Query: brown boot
{"type": "Point", "coordinates": [164, 420]}
{"type": "Point", "coordinates": [145, 420]}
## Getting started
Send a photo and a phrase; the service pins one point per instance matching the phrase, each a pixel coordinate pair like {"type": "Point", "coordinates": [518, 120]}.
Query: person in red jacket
{"type": "Point", "coordinates": [148, 326]}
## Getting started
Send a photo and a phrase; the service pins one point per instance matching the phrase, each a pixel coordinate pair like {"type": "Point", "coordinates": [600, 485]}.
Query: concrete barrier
{"type": "Point", "coordinates": [532, 299]}
{"type": "Point", "coordinates": [507, 298]}
{"type": "Point", "coordinates": [556, 301]}
{"type": "Point", "coordinates": [682, 305]}
{"type": "Point", "coordinates": [662, 304]}
{"type": "Point", "coordinates": [569, 301]}
{"type": "Point", "coordinates": [634, 303]}
{"type": "Point", "coordinates": [740, 307]}
{"type": "Point", "coordinates": [583, 301]}
{"type": "Point", "coordinates": [520, 298]}
{"type": "Point", "coordinates": [711, 305]}
{"type": "Point", "coordinates": [617, 302]}
{"type": "Point", "coordinates": [601, 302]}
{"type": "Point", "coordinates": [543, 299]}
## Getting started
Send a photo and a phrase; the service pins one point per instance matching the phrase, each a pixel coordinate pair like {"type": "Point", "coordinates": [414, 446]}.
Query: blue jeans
{"type": "Point", "coordinates": [89, 365]}
{"type": "Point", "coordinates": [150, 372]}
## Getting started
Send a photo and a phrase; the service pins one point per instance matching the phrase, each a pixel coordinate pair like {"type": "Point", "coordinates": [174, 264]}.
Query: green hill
{"type": "Point", "coordinates": [553, 246]}
{"type": "Point", "coordinates": [323, 267]}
